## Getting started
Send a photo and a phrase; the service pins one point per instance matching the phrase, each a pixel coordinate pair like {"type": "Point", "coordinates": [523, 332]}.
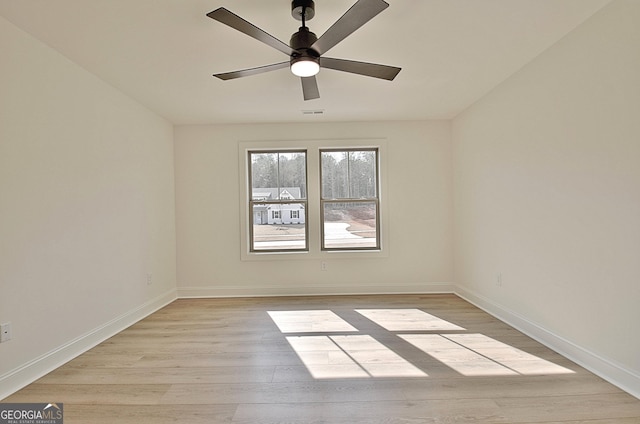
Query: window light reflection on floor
{"type": "Point", "coordinates": [455, 356]}
{"type": "Point", "coordinates": [520, 361]}
{"type": "Point", "coordinates": [330, 353]}
{"type": "Point", "coordinates": [350, 356]}
{"type": "Point", "coordinates": [479, 355]}
{"type": "Point", "coordinates": [312, 321]}
{"type": "Point", "coordinates": [324, 359]}
{"type": "Point", "coordinates": [407, 320]}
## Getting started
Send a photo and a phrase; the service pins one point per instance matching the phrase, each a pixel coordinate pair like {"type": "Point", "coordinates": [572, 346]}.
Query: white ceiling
{"type": "Point", "coordinates": [163, 53]}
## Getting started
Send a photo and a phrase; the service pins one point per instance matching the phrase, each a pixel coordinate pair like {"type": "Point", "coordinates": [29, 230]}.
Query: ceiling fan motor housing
{"type": "Point", "coordinates": [298, 7]}
{"type": "Point", "coordinates": [301, 42]}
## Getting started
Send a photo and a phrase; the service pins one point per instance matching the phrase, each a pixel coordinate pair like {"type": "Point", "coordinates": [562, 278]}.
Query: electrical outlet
{"type": "Point", "coordinates": [149, 279]}
{"type": "Point", "coordinates": [499, 279]}
{"type": "Point", "coordinates": [323, 266]}
{"type": "Point", "coordinates": [5, 332]}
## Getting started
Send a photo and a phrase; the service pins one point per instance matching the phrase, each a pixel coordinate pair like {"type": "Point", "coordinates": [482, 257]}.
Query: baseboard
{"type": "Point", "coordinates": [16, 379]}
{"type": "Point", "coordinates": [614, 373]}
{"type": "Point", "coordinates": [251, 291]}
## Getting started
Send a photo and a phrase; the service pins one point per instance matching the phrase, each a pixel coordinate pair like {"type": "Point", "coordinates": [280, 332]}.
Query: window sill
{"type": "Point", "coordinates": [319, 255]}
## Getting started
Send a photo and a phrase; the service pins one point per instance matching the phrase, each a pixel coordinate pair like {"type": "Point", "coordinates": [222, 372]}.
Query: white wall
{"type": "Point", "coordinates": [419, 214]}
{"type": "Point", "coordinates": [547, 192]}
{"type": "Point", "coordinates": [86, 208]}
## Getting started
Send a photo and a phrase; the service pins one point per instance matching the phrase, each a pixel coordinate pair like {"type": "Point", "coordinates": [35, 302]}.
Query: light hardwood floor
{"type": "Point", "coordinates": [346, 359]}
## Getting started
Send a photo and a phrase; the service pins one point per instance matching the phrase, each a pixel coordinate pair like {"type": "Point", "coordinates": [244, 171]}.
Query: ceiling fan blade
{"type": "Point", "coordinates": [310, 88]}
{"type": "Point", "coordinates": [234, 21]}
{"type": "Point", "coordinates": [252, 71]}
{"type": "Point", "coordinates": [362, 68]}
{"type": "Point", "coordinates": [359, 14]}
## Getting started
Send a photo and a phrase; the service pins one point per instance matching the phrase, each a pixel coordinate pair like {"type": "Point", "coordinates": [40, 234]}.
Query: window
{"type": "Point", "coordinates": [312, 199]}
{"type": "Point", "coordinates": [278, 200]}
{"type": "Point", "coordinates": [349, 199]}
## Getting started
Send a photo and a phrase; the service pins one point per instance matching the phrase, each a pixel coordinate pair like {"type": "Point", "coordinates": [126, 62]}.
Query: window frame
{"type": "Point", "coordinates": [312, 213]}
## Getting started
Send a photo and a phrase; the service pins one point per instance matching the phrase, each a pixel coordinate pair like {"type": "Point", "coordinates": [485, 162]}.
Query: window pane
{"type": "Point", "coordinates": [292, 174]}
{"type": "Point", "coordinates": [350, 199]}
{"type": "Point", "coordinates": [350, 225]}
{"type": "Point", "coordinates": [279, 226]}
{"type": "Point", "coordinates": [335, 177]}
{"type": "Point", "coordinates": [276, 176]}
{"type": "Point", "coordinates": [362, 175]}
{"type": "Point", "coordinates": [264, 174]}
{"type": "Point", "coordinates": [278, 188]}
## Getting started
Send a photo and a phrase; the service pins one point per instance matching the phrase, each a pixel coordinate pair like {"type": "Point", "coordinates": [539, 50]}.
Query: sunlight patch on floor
{"type": "Point", "coordinates": [407, 320]}
{"type": "Point", "coordinates": [314, 321]}
{"type": "Point", "coordinates": [455, 356]}
{"type": "Point", "coordinates": [518, 360]}
{"type": "Point", "coordinates": [479, 355]}
{"type": "Point", "coordinates": [324, 359]}
{"type": "Point", "coordinates": [351, 356]}
{"type": "Point", "coordinates": [330, 353]}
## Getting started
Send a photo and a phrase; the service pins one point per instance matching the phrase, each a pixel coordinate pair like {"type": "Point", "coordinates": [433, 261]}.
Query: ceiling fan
{"type": "Point", "coordinates": [305, 50]}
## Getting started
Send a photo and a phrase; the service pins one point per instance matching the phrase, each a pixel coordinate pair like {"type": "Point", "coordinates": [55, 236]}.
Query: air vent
{"type": "Point", "coordinates": [313, 112]}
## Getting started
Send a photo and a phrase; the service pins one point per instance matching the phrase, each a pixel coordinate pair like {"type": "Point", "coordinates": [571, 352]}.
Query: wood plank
{"type": "Point", "coordinates": [573, 407]}
{"type": "Point", "coordinates": [171, 375]}
{"type": "Point", "coordinates": [430, 411]}
{"type": "Point", "coordinates": [94, 394]}
{"type": "Point", "coordinates": [148, 414]}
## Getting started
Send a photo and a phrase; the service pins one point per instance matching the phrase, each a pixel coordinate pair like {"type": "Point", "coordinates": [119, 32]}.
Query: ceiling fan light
{"type": "Point", "coordinates": [305, 67]}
